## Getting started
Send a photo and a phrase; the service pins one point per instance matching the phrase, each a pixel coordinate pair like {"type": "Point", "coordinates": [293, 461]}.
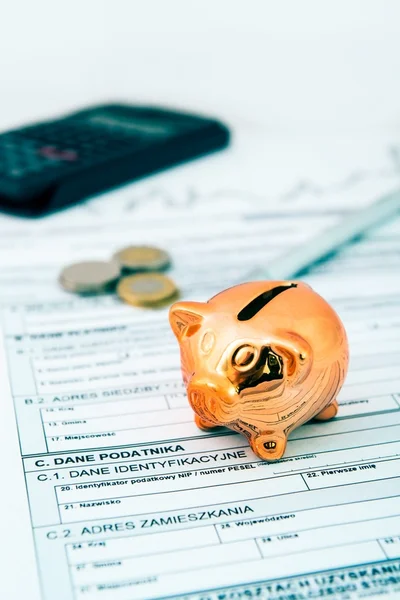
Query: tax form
{"type": "Point", "coordinates": [109, 490]}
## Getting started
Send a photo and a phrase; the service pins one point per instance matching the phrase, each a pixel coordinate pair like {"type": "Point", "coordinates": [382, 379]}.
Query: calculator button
{"type": "Point", "coordinates": [15, 173]}
{"type": "Point", "coordinates": [20, 158]}
{"type": "Point", "coordinates": [57, 148]}
{"type": "Point", "coordinates": [53, 153]}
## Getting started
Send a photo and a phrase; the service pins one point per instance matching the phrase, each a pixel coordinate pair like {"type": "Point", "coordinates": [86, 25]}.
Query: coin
{"type": "Point", "coordinates": [147, 289]}
{"type": "Point", "coordinates": [142, 258]}
{"type": "Point", "coordinates": [89, 277]}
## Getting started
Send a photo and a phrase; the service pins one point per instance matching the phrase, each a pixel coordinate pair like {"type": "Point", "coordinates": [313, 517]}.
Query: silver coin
{"type": "Point", "coordinates": [136, 259]}
{"type": "Point", "coordinates": [148, 286]}
{"type": "Point", "coordinates": [89, 277]}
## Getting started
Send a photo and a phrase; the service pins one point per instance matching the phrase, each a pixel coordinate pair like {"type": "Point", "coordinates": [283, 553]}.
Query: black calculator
{"type": "Point", "coordinates": [52, 164]}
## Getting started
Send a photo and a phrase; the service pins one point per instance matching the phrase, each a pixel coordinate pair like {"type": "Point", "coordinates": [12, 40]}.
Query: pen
{"type": "Point", "coordinates": [329, 242]}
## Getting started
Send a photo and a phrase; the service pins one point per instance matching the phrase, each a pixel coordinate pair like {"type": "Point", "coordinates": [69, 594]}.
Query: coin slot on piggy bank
{"type": "Point", "coordinates": [261, 358]}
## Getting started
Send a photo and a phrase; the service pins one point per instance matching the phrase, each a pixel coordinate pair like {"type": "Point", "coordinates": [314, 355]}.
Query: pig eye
{"type": "Point", "coordinates": [274, 363]}
{"type": "Point", "coordinates": [207, 342]}
{"type": "Point", "coordinates": [272, 360]}
{"type": "Point", "coordinates": [244, 358]}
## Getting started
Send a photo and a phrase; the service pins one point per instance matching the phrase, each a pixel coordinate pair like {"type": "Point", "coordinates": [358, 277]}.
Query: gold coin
{"type": "Point", "coordinates": [147, 289]}
{"type": "Point", "coordinates": [89, 277]}
{"type": "Point", "coordinates": [163, 303]}
{"type": "Point", "coordinates": [142, 258]}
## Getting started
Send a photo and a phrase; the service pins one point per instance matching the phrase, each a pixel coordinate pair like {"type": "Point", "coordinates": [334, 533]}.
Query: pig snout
{"type": "Point", "coordinates": [215, 402]}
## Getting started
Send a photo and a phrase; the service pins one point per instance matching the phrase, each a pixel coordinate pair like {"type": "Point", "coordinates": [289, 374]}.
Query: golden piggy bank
{"type": "Point", "coordinates": [261, 358]}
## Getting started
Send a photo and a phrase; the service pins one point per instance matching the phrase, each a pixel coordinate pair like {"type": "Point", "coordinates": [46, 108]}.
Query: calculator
{"type": "Point", "coordinates": [50, 165]}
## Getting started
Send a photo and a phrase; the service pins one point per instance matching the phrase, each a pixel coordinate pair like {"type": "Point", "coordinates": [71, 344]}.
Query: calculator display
{"type": "Point", "coordinates": [140, 126]}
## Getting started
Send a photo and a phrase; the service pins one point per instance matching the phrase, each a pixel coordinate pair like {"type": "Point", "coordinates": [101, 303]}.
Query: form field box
{"type": "Point", "coordinates": [308, 519]}
{"type": "Point", "coordinates": [177, 400]}
{"type": "Point", "coordinates": [391, 546]}
{"type": "Point", "coordinates": [105, 409]}
{"type": "Point", "coordinates": [114, 423]}
{"type": "Point", "coordinates": [349, 446]}
{"type": "Point", "coordinates": [363, 390]}
{"type": "Point", "coordinates": [357, 450]}
{"type": "Point", "coordinates": [335, 535]}
{"type": "Point", "coordinates": [181, 500]}
{"type": "Point", "coordinates": [127, 437]}
{"type": "Point", "coordinates": [371, 375]}
{"type": "Point", "coordinates": [169, 562]}
{"type": "Point", "coordinates": [100, 380]}
{"type": "Point", "coordinates": [141, 545]}
{"type": "Point", "coordinates": [162, 483]}
{"type": "Point", "coordinates": [367, 405]}
{"type": "Point", "coordinates": [345, 475]}
{"type": "Point", "coordinates": [359, 426]}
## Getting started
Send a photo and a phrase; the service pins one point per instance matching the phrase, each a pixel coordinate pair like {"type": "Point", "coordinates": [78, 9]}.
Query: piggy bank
{"type": "Point", "coordinates": [261, 358]}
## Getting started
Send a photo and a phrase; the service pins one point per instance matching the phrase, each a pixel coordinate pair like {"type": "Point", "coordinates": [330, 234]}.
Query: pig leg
{"type": "Point", "coordinates": [203, 424]}
{"type": "Point", "coordinates": [328, 412]}
{"type": "Point", "coordinates": [269, 445]}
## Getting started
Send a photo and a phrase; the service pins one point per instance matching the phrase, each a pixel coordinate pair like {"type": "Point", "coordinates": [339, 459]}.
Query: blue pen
{"type": "Point", "coordinates": [330, 241]}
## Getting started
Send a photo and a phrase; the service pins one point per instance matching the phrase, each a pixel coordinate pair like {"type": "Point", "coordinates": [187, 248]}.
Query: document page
{"type": "Point", "coordinates": [124, 497]}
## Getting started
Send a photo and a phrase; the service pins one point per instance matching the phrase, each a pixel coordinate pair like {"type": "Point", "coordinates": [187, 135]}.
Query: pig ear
{"type": "Point", "coordinates": [298, 354]}
{"type": "Point", "coordinates": [186, 317]}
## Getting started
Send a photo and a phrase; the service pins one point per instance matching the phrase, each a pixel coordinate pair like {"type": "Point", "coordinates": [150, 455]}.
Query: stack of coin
{"type": "Point", "coordinates": [143, 284]}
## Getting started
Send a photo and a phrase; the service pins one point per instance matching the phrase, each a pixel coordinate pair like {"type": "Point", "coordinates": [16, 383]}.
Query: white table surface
{"type": "Point", "coordinates": [290, 65]}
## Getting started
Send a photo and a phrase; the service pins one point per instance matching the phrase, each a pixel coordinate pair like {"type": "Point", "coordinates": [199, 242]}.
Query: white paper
{"type": "Point", "coordinates": [126, 498]}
